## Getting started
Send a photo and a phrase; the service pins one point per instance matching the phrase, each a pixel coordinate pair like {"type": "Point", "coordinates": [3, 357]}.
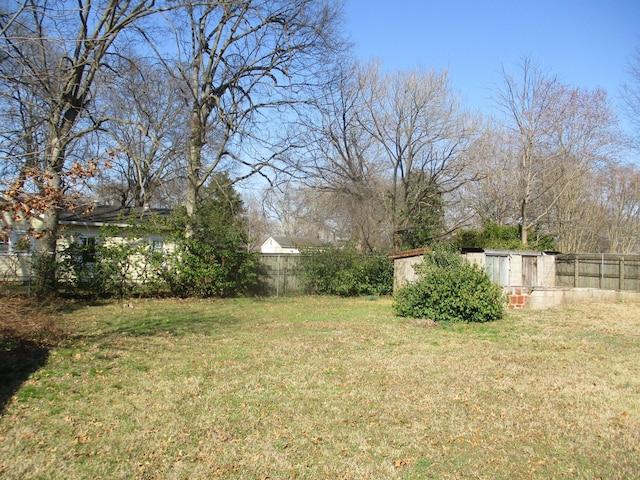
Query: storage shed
{"type": "Point", "coordinates": [517, 272]}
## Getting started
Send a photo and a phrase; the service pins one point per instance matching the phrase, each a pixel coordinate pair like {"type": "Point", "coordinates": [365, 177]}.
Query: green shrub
{"type": "Point", "coordinates": [110, 268]}
{"type": "Point", "coordinates": [201, 270]}
{"type": "Point", "coordinates": [213, 260]}
{"type": "Point", "coordinates": [345, 272]}
{"type": "Point", "coordinates": [450, 289]}
{"type": "Point", "coordinates": [502, 237]}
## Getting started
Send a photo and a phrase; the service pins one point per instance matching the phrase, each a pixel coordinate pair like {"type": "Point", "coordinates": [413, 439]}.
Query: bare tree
{"type": "Point", "coordinates": [492, 197]}
{"type": "Point", "coordinates": [242, 66]}
{"type": "Point", "coordinates": [527, 103]}
{"type": "Point", "coordinates": [579, 219]}
{"type": "Point", "coordinates": [583, 137]}
{"type": "Point", "coordinates": [621, 198]}
{"type": "Point", "coordinates": [631, 96]}
{"type": "Point", "coordinates": [52, 55]}
{"type": "Point", "coordinates": [295, 209]}
{"type": "Point", "coordinates": [422, 133]}
{"type": "Point", "coordinates": [148, 128]}
{"type": "Point", "coordinates": [560, 134]}
{"type": "Point", "coordinates": [388, 154]}
{"type": "Point", "coordinates": [8, 17]}
{"type": "Point", "coordinates": [345, 169]}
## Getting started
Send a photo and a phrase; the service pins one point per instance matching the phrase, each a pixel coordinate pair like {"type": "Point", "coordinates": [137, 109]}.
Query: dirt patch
{"type": "Point", "coordinates": [27, 332]}
{"type": "Point", "coordinates": [26, 319]}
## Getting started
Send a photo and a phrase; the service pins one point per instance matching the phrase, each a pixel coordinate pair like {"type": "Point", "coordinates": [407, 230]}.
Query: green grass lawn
{"type": "Point", "coordinates": [328, 388]}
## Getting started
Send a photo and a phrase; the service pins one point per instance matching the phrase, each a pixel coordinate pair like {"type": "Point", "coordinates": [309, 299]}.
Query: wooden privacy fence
{"type": "Point", "coordinates": [282, 274]}
{"type": "Point", "coordinates": [606, 271]}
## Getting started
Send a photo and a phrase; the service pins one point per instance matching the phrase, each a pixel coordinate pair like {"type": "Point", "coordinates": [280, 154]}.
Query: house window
{"type": "Point", "coordinates": [88, 248]}
{"type": "Point", "coordinates": [17, 241]}
{"type": "Point", "coordinates": [4, 242]}
{"type": "Point", "coordinates": [156, 244]}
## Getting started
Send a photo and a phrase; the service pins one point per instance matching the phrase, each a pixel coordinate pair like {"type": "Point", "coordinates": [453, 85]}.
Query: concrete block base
{"type": "Point", "coordinates": [546, 297]}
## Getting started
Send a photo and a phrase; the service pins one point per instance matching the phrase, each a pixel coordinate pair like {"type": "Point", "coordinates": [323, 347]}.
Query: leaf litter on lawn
{"type": "Point", "coordinates": [319, 387]}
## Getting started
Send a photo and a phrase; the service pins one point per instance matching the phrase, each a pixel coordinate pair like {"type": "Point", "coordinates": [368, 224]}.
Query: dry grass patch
{"type": "Point", "coordinates": [329, 388]}
{"type": "Point", "coordinates": [27, 332]}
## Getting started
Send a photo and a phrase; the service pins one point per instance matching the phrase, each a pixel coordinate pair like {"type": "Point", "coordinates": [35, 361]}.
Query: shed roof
{"type": "Point", "coordinates": [407, 253]}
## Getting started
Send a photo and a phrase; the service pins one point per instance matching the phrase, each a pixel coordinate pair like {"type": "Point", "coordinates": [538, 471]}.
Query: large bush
{"type": "Point", "coordinates": [344, 272]}
{"type": "Point", "coordinates": [450, 289]}
{"type": "Point", "coordinates": [203, 270]}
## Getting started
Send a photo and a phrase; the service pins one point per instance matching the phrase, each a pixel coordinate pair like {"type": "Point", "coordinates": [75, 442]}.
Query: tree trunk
{"type": "Point", "coordinates": [524, 236]}
{"type": "Point", "coordinates": [45, 262]}
{"type": "Point", "coordinates": [193, 173]}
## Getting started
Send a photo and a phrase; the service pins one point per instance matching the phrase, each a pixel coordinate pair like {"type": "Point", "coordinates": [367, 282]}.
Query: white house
{"type": "Point", "coordinates": [288, 245]}
{"type": "Point", "coordinates": [17, 241]}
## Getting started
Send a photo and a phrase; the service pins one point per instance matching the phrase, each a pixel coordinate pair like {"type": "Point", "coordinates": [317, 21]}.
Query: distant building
{"type": "Point", "coordinates": [288, 245]}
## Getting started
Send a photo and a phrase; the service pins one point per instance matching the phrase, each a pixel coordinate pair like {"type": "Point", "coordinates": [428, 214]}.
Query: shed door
{"type": "Point", "coordinates": [529, 270]}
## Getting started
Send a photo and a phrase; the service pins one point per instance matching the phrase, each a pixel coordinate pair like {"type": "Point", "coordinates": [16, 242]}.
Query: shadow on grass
{"type": "Point", "coordinates": [28, 331]}
{"type": "Point", "coordinates": [176, 323]}
{"type": "Point", "coordinates": [18, 360]}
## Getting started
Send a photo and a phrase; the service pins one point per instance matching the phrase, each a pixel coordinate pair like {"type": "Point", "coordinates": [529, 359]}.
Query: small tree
{"type": "Point", "coordinates": [450, 289]}
{"type": "Point", "coordinates": [214, 260]}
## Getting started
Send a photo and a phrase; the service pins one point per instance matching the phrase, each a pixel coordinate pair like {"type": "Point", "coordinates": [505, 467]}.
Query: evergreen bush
{"type": "Point", "coordinates": [502, 237]}
{"type": "Point", "coordinates": [345, 272]}
{"type": "Point", "coordinates": [199, 269]}
{"type": "Point", "coordinates": [450, 289]}
{"type": "Point", "coordinates": [214, 260]}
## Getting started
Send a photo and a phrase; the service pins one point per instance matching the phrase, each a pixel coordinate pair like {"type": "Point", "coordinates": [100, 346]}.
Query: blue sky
{"type": "Point", "coordinates": [585, 43]}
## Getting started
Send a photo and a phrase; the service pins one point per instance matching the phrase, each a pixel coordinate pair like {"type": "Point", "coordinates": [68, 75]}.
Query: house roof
{"type": "Point", "coordinates": [110, 215]}
{"type": "Point", "coordinates": [298, 242]}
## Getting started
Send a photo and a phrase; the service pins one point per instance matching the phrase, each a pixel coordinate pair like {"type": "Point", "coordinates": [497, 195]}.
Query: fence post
{"type": "Point", "coordinates": [601, 270]}
{"type": "Point", "coordinates": [621, 272]}
{"type": "Point", "coordinates": [285, 276]}
{"type": "Point", "coordinates": [278, 276]}
{"type": "Point", "coordinates": [576, 272]}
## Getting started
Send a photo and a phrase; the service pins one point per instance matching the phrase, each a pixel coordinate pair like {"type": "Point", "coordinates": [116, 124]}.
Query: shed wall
{"type": "Point", "coordinates": [404, 270]}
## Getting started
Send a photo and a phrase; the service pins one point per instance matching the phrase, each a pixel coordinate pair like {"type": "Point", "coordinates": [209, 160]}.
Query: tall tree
{"type": "Point", "coordinates": [52, 54]}
{"type": "Point", "coordinates": [492, 197]}
{"type": "Point", "coordinates": [423, 134]}
{"type": "Point", "coordinates": [583, 138]}
{"type": "Point", "coordinates": [621, 199]}
{"type": "Point", "coordinates": [631, 96]}
{"type": "Point", "coordinates": [560, 134]}
{"type": "Point", "coordinates": [526, 102]}
{"type": "Point", "coordinates": [345, 169]}
{"type": "Point", "coordinates": [298, 210]}
{"type": "Point", "coordinates": [242, 67]}
{"type": "Point", "coordinates": [148, 131]}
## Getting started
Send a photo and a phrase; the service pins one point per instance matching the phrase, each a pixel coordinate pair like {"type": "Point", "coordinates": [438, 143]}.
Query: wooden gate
{"type": "Point", "coordinates": [529, 270]}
